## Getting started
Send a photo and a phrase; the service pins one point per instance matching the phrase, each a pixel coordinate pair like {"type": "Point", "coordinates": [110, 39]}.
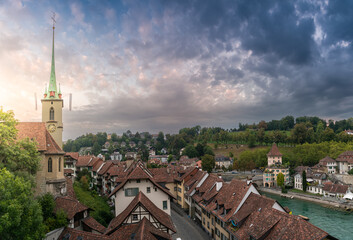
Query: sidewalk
{"type": "Point", "coordinates": [333, 202]}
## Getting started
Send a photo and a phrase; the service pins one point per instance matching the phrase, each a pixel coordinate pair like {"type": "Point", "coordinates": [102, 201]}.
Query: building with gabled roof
{"type": "Point", "coordinates": [275, 167]}
{"type": "Point", "coordinates": [142, 207]}
{"type": "Point", "coordinates": [141, 230]}
{"type": "Point", "coordinates": [75, 211]}
{"type": "Point", "coordinates": [345, 162]}
{"type": "Point", "coordinates": [139, 178]}
{"type": "Point", "coordinates": [263, 218]}
{"type": "Point", "coordinates": [50, 177]}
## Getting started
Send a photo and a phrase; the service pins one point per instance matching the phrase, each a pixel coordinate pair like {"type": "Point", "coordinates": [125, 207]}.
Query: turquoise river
{"type": "Point", "coordinates": [337, 223]}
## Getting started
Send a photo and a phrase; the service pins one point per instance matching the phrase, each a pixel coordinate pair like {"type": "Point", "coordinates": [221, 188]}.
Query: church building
{"type": "Point", "coordinates": [48, 135]}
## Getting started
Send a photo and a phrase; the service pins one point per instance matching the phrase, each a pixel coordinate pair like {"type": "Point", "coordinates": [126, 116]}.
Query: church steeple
{"type": "Point", "coordinates": [52, 92]}
{"type": "Point", "coordinates": [52, 103]}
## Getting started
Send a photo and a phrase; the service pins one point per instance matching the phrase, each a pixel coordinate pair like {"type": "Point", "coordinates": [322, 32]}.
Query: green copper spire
{"type": "Point", "coordinates": [52, 90]}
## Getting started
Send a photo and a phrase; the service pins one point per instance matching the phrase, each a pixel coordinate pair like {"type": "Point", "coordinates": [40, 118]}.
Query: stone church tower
{"type": "Point", "coordinates": [52, 105]}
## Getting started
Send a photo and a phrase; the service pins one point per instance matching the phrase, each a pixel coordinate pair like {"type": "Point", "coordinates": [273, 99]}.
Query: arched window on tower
{"type": "Point", "coordinates": [51, 116]}
{"type": "Point", "coordinates": [59, 164]}
{"type": "Point", "coordinates": [50, 165]}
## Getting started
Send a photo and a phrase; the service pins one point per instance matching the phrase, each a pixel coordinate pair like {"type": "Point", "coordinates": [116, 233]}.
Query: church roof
{"type": "Point", "coordinates": [52, 92]}
{"type": "Point", "coordinates": [38, 132]}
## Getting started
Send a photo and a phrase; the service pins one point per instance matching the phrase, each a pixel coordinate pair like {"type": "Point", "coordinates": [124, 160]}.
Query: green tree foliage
{"type": "Point", "coordinates": [96, 149]}
{"type": "Point", "coordinates": [18, 156]}
{"type": "Point", "coordinates": [350, 172]}
{"type": "Point", "coordinates": [248, 160]}
{"type": "Point", "coordinates": [208, 163]}
{"type": "Point", "coordinates": [280, 180]}
{"type": "Point", "coordinates": [190, 151]}
{"type": "Point", "coordinates": [200, 149]}
{"type": "Point", "coordinates": [51, 220]}
{"type": "Point", "coordinates": [20, 214]}
{"type": "Point", "coordinates": [102, 212]}
{"type": "Point", "coordinates": [208, 150]}
{"type": "Point", "coordinates": [305, 183]}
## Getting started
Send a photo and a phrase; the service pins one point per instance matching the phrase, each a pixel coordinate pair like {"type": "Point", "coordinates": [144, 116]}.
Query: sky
{"type": "Point", "coordinates": [164, 65]}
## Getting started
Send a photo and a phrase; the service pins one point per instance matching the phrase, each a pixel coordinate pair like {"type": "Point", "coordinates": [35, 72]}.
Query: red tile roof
{"type": "Point", "coordinates": [257, 219]}
{"type": "Point", "coordinates": [144, 230]}
{"type": "Point", "coordinates": [38, 132]}
{"type": "Point", "coordinates": [70, 187]}
{"type": "Point", "coordinates": [93, 224]}
{"type": "Point", "coordinates": [274, 151]}
{"type": "Point", "coordinates": [347, 156]}
{"type": "Point", "coordinates": [228, 199]}
{"type": "Point", "coordinates": [83, 161]}
{"type": "Point", "coordinates": [326, 160]}
{"type": "Point", "coordinates": [70, 205]}
{"type": "Point", "coordinates": [159, 214]}
{"type": "Point", "coordinates": [74, 234]}
{"type": "Point", "coordinates": [73, 155]}
{"type": "Point", "coordinates": [335, 188]}
{"type": "Point", "coordinates": [138, 171]}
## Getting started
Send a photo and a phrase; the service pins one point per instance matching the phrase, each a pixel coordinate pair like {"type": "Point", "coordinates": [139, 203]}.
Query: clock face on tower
{"type": "Point", "coordinates": [51, 128]}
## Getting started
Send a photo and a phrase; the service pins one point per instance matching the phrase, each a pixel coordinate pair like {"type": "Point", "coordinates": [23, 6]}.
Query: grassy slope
{"type": "Point", "coordinates": [236, 149]}
{"type": "Point", "coordinates": [98, 204]}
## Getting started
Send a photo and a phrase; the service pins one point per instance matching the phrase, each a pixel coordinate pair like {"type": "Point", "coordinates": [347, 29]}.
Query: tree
{"type": "Point", "coordinates": [170, 158]}
{"type": "Point", "coordinates": [18, 156]}
{"type": "Point", "coordinates": [208, 163]}
{"type": "Point", "coordinates": [190, 151]}
{"type": "Point", "coordinates": [280, 180]}
{"type": "Point", "coordinates": [200, 149]}
{"type": "Point", "coordinates": [305, 183]}
{"type": "Point", "coordinates": [208, 150]}
{"type": "Point", "coordinates": [350, 172]}
{"type": "Point", "coordinates": [20, 214]}
{"type": "Point", "coordinates": [51, 220]}
{"type": "Point", "coordinates": [96, 149]}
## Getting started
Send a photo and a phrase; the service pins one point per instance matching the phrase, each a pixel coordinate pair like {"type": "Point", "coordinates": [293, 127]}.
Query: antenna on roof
{"type": "Point", "coordinates": [35, 101]}
{"type": "Point", "coordinates": [70, 101]}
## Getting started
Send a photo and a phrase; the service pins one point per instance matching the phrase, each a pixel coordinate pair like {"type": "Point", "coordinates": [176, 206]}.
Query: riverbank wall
{"type": "Point", "coordinates": [314, 199]}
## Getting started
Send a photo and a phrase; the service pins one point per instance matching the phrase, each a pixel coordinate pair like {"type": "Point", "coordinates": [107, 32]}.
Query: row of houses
{"type": "Point", "coordinates": [236, 210]}
{"type": "Point", "coordinates": [225, 210]}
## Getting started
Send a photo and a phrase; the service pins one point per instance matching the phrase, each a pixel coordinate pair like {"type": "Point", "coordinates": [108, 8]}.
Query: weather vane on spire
{"type": "Point", "coordinates": [53, 18]}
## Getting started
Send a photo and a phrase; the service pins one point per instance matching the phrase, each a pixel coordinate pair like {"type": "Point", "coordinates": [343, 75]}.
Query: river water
{"type": "Point", "coordinates": [337, 223]}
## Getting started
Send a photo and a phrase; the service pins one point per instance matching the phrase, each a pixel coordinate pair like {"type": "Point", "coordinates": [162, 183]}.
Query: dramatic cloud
{"type": "Point", "coordinates": [162, 65]}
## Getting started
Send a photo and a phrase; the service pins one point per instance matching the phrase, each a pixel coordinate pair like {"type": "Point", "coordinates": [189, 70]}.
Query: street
{"type": "Point", "coordinates": [186, 228]}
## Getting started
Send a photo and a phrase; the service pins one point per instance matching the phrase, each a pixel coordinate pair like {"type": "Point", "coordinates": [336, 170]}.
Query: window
{"type": "Point", "coordinates": [165, 205]}
{"type": "Point", "coordinates": [131, 192]}
{"type": "Point", "coordinates": [179, 198]}
{"type": "Point", "coordinates": [50, 165]}
{"type": "Point", "coordinates": [148, 189]}
{"type": "Point", "coordinates": [134, 217]}
{"type": "Point", "coordinates": [217, 232]}
{"type": "Point", "coordinates": [203, 220]}
{"type": "Point", "coordinates": [155, 189]}
{"type": "Point", "coordinates": [175, 188]}
{"type": "Point", "coordinates": [179, 189]}
{"type": "Point", "coordinates": [208, 225]}
{"type": "Point", "coordinates": [138, 181]}
{"type": "Point", "coordinates": [212, 222]}
{"type": "Point", "coordinates": [59, 164]}
{"type": "Point", "coordinates": [51, 114]}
